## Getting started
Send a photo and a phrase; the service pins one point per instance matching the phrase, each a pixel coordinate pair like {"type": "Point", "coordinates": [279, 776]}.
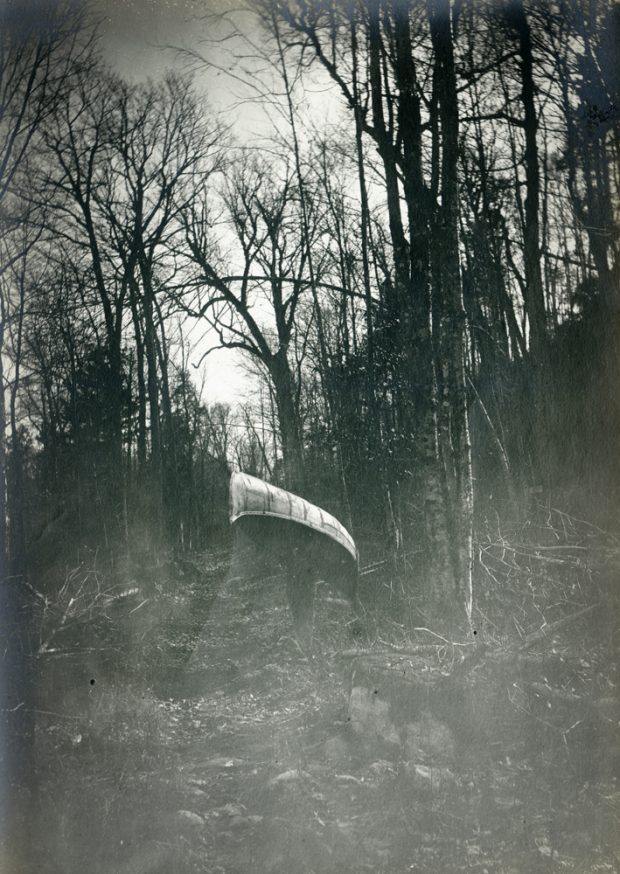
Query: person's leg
{"type": "Point", "coordinates": [300, 586]}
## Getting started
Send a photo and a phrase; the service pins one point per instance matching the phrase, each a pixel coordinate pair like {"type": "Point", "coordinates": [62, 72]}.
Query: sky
{"type": "Point", "coordinates": [134, 31]}
{"type": "Point", "coordinates": [144, 38]}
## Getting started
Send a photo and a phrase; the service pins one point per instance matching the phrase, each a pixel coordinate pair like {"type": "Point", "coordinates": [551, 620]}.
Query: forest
{"type": "Point", "coordinates": [415, 260]}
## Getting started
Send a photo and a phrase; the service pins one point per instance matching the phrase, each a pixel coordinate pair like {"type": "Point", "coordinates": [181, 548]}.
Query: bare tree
{"type": "Point", "coordinates": [255, 309]}
{"type": "Point", "coordinates": [456, 445]}
{"type": "Point", "coordinates": [165, 145]}
{"type": "Point", "coordinates": [126, 161]}
{"type": "Point", "coordinates": [78, 142]}
{"type": "Point", "coordinates": [518, 23]}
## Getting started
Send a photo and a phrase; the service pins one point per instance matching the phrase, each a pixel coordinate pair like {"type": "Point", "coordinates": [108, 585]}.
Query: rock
{"type": "Point", "coordinates": [403, 701]}
{"type": "Point", "coordinates": [287, 776]}
{"type": "Point", "coordinates": [223, 762]}
{"type": "Point", "coordinates": [335, 748]}
{"type": "Point", "coordinates": [432, 776]}
{"type": "Point", "coordinates": [232, 809]}
{"type": "Point", "coordinates": [190, 817]}
{"type": "Point", "coordinates": [381, 767]}
{"type": "Point", "coordinates": [428, 739]}
{"type": "Point", "coordinates": [370, 715]}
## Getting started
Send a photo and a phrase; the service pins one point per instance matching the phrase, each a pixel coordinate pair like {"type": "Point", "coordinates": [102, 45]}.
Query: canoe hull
{"type": "Point", "coordinates": [252, 497]}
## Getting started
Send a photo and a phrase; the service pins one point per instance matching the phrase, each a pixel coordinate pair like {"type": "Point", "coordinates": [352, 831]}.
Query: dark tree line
{"type": "Point", "coordinates": [476, 256]}
{"type": "Point", "coordinates": [425, 292]}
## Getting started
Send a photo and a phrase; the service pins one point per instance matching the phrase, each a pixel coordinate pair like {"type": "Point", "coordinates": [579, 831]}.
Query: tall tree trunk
{"type": "Point", "coordinates": [385, 145]}
{"type": "Point", "coordinates": [16, 681]}
{"type": "Point", "coordinates": [534, 297]}
{"type": "Point", "coordinates": [365, 227]}
{"type": "Point", "coordinates": [139, 341]}
{"type": "Point", "coordinates": [414, 304]}
{"type": "Point", "coordinates": [170, 449]}
{"type": "Point", "coordinates": [292, 450]}
{"type": "Point", "coordinates": [113, 314]}
{"type": "Point", "coordinates": [416, 401]}
{"type": "Point", "coordinates": [152, 384]}
{"type": "Point", "coordinates": [3, 459]}
{"type": "Point", "coordinates": [454, 323]}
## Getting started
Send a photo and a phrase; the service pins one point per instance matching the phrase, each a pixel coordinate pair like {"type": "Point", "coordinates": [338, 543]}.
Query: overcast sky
{"type": "Point", "coordinates": [141, 39]}
{"type": "Point", "coordinates": [134, 30]}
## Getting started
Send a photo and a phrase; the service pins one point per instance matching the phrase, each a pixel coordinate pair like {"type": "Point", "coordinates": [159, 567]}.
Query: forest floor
{"type": "Point", "coordinates": [238, 752]}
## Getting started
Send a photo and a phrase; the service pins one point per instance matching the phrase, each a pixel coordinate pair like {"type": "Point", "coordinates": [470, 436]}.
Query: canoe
{"type": "Point", "coordinates": [250, 496]}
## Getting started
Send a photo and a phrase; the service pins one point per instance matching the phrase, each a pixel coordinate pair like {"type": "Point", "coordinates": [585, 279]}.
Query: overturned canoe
{"type": "Point", "coordinates": [250, 496]}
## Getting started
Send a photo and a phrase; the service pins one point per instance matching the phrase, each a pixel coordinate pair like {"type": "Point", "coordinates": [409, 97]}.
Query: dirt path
{"type": "Point", "coordinates": [247, 763]}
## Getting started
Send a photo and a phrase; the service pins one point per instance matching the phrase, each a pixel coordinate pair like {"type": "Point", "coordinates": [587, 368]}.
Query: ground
{"type": "Point", "coordinates": [237, 751]}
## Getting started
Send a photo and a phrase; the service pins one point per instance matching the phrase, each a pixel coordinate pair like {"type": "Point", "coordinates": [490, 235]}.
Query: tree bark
{"type": "Point", "coordinates": [534, 297]}
{"type": "Point", "coordinates": [152, 385]}
{"type": "Point", "coordinates": [139, 344]}
{"type": "Point", "coordinates": [454, 322]}
{"type": "Point", "coordinates": [292, 451]}
{"type": "Point", "coordinates": [3, 459]}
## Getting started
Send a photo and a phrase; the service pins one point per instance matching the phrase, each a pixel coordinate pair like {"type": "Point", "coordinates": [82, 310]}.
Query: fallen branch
{"type": "Point", "coordinates": [546, 630]}
{"type": "Point", "coordinates": [483, 652]}
{"type": "Point", "coordinates": [408, 651]}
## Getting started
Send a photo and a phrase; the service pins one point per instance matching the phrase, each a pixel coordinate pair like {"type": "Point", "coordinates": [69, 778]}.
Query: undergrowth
{"type": "Point", "coordinates": [503, 762]}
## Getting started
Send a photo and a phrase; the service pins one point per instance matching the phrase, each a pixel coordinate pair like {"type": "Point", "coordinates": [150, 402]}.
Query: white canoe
{"type": "Point", "coordinates": [250, 496]}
